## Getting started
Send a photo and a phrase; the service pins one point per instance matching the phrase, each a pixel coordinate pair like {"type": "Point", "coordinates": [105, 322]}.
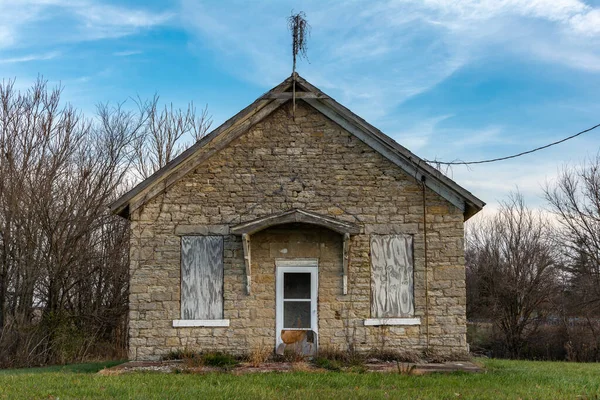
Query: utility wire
{"type": "Point", "coordinates": [514, 155]}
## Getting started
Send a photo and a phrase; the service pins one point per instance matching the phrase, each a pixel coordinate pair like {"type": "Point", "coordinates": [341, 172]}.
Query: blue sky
{"type": "Point", "coordinates": [449, 80]}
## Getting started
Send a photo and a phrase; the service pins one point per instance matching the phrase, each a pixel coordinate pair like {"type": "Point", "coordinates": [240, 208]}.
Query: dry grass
{"type": "Point", "coordinates": [259, 355]}
{"type": "Point", "coordinates": [406, 368]}
{"type": "Point", "coordinates": [302, 366]}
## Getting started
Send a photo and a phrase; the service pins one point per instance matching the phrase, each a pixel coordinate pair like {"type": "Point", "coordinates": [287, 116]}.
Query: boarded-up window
{"type": "Point", "coordinates": [392, 276]}
{"type": "Point", "coordinates": [202, 277]}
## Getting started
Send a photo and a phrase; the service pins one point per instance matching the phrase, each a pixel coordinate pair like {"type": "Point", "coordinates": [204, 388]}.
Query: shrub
{"type": "Point", "coordinates": [395, 355]}
{"type": "Point", "coordinates": [326, 363]}
{"type": "Point", "coordinates": [219, 359]}
{"type": "Point", "coordinates": [336, 360]}
{"type": "Point", "coordinates": [574, 340]}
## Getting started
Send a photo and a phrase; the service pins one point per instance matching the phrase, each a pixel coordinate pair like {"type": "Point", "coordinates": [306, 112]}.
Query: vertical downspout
{"type": "Point", "coordinates": [426, 262]}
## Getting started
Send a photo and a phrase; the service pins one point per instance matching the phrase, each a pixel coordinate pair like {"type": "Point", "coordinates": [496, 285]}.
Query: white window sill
{"type": "Point", "coordinates": [190, 323]}
{"type": "Point", "coordinates": [392, 321]}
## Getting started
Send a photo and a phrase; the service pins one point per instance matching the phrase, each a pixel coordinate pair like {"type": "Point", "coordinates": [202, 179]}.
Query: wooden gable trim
{"type": "Point", "coordinates": [264, 106]}
{"type": "Point", "coordinates": [297, 95]}
{"type": "Point", "coordinates": [295, 215]}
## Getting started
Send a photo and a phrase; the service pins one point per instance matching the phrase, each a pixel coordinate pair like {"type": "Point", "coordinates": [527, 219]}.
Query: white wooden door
{"type": "Point", "coordinates": [296, 305]}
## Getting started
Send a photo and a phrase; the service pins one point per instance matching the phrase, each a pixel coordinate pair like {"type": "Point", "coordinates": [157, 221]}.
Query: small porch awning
{"type": "Point", "coordinates": [295, 215]}
{"type": "Point", "coordinates": [299, 216]}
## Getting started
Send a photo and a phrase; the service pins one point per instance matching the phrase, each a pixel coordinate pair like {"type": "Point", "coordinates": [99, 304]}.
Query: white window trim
{"type": "Point", "coordinates": [392, 321]}
{"type": "Point", "coordinates": [190, 323]}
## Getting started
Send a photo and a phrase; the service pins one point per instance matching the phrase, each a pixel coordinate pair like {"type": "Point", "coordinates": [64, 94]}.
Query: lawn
{"type": "Point", "coordinates": [503, 379]}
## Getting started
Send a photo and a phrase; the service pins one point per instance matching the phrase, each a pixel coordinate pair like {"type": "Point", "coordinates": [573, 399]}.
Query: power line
{"type": "Point", "coordinates": [514, 155]}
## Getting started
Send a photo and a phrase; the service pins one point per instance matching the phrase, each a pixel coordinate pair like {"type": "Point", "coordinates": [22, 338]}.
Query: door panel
{"type": "Point", "coordinates": [296, 302]}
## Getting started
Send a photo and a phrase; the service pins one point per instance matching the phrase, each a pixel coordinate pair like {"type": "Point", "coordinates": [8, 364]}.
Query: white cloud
{"type": "Point", "coordinates": [246, 44]}
{"type": "Point", "coordinates": [107, 15]}
{"type": "Point", "coordinates": [93, 20]}
{"type": "Point", "coordinates": [480, 137]}
{"type": "Point", "coordinates": [127, 53]}
{"type": "Point", "coordinates": [30, 57]}
{"type": "Point", "coordinates": [374, 58]}
{"type": "Point", "coordinates": [587, 24]}
{"type": "Point", "coordinates": [418, 136]}
{"type": "Point", "coordinates": [100, 21]}
{"type": "Point", "coordinates": [6, 37]}
{"type": "Point", "coordinates": [569, 34]}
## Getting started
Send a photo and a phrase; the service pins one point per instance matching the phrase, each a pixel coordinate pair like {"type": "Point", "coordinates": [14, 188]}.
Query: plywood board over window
{"type": "Point", "coordinates": [392, 282]}
{"type": "Point", "coordinates": [201, 277]}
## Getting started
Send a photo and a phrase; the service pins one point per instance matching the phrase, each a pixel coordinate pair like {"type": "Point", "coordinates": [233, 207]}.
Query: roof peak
{"type": "Point", "coordinates": [266, 104]}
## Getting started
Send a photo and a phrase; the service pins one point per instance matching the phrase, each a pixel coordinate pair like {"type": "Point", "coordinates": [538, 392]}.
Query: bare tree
{"type": "Point", "coordinates": [63, 257]}
{"type": "Point", "coordinates": [163, 131]}
{"type": "Point", "coordinates": [511, 270]}
{"type": "Point", "coordinates": [575, 200]}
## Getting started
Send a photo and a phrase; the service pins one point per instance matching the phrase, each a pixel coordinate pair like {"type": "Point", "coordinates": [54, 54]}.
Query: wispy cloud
{"type": "Point", "coordinates": [127, 53]}
{"type": "Point", "coordinates": [419, 135]}
{"type": "Point", "coordinates": [374, 58]}
{"type": "Point", "coordinates": [481, 137]}
{"type": "Point", "coordinates": [86, 20]}
{"type": "Point", "coordinates": [29, 57]}
{"type": "Point", "coordinates": [257, 53]}
{"type": "Point", "coordinates": [106, 21]}
{"type": "Point", "coordinates": [569, 34]}
{"type": "Point", "coordinates": [425, 72]}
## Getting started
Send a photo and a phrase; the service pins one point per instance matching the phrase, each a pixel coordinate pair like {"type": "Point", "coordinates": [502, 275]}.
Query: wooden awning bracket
{"type": "Point", "coordinates": [247, 261]}
{"type": "Point", "coordinates": [345, 262]}
{"type": "Point", "coordinates": [346, 229]}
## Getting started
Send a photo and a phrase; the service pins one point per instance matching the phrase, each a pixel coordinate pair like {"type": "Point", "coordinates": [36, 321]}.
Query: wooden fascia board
{"type": "Point", "coordinates": [409, 167]}
{"type": "Point", "coordinates": [292, 216]}
{"type": "Point", "coordinates": [298, 95]}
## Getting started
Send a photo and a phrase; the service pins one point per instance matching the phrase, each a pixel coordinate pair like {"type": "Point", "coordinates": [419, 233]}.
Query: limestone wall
{"type": "Point", "coordinates": [280, 164]}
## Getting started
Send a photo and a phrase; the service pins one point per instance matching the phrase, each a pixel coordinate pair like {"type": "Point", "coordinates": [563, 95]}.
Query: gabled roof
{"type": "Point", "coordinates": [264, 106]}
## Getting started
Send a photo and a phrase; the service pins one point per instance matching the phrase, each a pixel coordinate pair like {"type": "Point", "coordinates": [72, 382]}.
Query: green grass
{"type": "Point", "coordinates": [503, 380]}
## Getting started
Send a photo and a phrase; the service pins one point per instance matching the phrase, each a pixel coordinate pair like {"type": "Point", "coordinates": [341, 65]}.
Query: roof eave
{"type": "Point", "coordinates": [468, 203]}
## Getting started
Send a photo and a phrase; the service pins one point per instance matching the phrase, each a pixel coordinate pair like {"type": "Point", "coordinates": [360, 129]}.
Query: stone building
{"type": "Point", "coordinates": [296, 224]}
